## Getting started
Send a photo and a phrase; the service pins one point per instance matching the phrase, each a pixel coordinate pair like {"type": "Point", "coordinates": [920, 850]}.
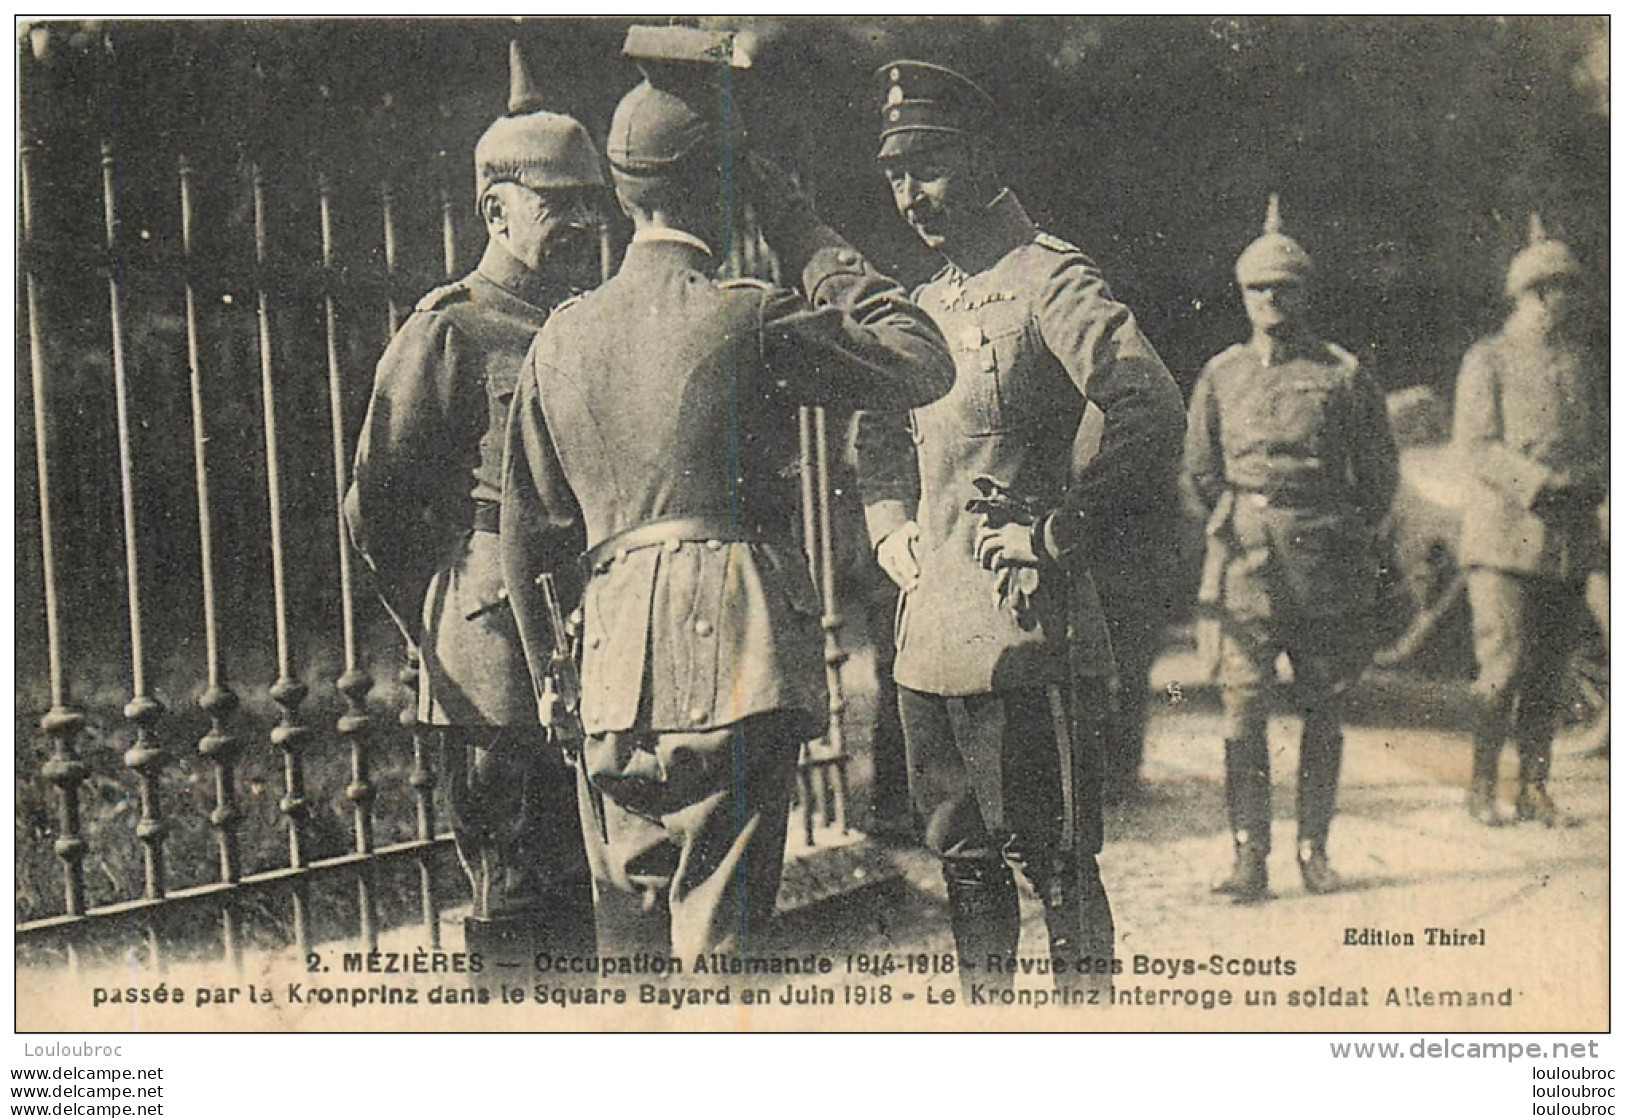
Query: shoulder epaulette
{"type": "Point", "coordinates": [1228, 354]}
{"type": "Point", "coordinates": [568, 303]}
{"type": "Point", "coordinates": [1055, 244]}
{"type": "Point", "coordinates": [745, 282]}
{"type": "Point", "coordinates": [444, 296]}
{"type": "Point", "coordinates": [1342, 356]}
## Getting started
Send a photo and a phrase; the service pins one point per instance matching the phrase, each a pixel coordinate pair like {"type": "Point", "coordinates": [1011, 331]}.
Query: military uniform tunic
{"type": "Point", "coordinates": [1294, 465]}
{"type": "Point", "coordinates": [1526, 411]}
{"type": "Point", "coordinates": [428, 464]}
{"type": "Point", "coordinates": [1034, 337]}
{"type": "Point", "coordinates": [658, 414]}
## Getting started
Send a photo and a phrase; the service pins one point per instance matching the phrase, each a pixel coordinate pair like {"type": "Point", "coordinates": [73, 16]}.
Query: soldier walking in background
{"type": "Point", "coordinates": [1003, 660]}
{"type": "Point", "coordinates": [659, 413]}
{"type": "Point", "coordinates": [1289, 457]}
{"type": "Point", "coordinates": [1532, 427]}
{"type": "Point", "coordinates": [423, 511]}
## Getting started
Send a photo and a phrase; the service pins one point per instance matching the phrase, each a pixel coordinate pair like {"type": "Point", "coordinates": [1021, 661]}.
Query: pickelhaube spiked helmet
{"type": "Point", "coordinates": [1540, 261]}
{"type": "Point", "coordinates": [1274, 257]}
{"type": "Point", "coordinates": [538, 149]}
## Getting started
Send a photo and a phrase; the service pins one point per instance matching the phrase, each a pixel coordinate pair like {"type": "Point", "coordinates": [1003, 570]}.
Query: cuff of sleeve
{"type": "Point", "coordinates": [1530, 482]}
{"type": "Point", "coordinates": [885, 517]}
{"type": "Point", "coordinates": [1061, 536]}
{"type": "Point", "coordinates": [834, 260]}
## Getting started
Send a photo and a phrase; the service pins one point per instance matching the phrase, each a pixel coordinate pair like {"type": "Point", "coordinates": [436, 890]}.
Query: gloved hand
{"type": "Point", "coordinates": [780, 203]}
{"type": "Point", "coordinates": [1010, 545]}
{"type": "Point", "coordinates": [895, 554]}
{"type": "Point", "coordinates": [1566, 496]}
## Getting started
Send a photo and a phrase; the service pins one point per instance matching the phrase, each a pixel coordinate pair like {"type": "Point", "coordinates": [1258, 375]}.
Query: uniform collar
{"type": "Point", "coordinates": [671, 247]}
{"type": "Point", "coordinates": [1275, 351]}
{"type": "Point", "coordinates": [505, 270]}
{"type": "Point", "coordinates": [1003, 228]}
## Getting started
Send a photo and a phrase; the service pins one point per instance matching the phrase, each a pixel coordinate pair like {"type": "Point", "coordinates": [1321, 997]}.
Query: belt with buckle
{"type": "Point", "coordinates": [672, 532]}
{"type": "Point", "coordinates": [487, 517]}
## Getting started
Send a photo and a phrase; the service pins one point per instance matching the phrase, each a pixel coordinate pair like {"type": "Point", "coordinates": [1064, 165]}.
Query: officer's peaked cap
{"type": "Point", "coordinates": [1541, 261]}
{"type": "Point", "coordinates": [923, 103]}
{"type": "Point", "coordinates": [1274, 257]}
{"type": "Point", "coordinates": [537, 149]}
{"type": "Point", "coordinates": [684, 107]}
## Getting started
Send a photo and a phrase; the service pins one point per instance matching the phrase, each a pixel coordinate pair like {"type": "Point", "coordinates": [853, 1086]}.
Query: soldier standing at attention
{"type": "Point", "coordinates": [1003, 661]}
{"type": "Point", "coordinates": [1289, 457]}
{"type": "Point", "coordinates": [659, 412]}
{"type": "Point", "coordinates": [1532, 427]}
{"type": "Point", "coordinates": [423, 512]}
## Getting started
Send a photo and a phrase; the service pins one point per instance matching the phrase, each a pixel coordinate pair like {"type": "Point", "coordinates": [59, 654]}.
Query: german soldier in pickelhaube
{"type": "Point", "coordinates": [1531, 425]}
{"type": "Point", "coordinates": [659, 414]}
{"type": "Point", "coordinates": [423, 512]}
{"type": "Point", "coordinates": [1003, 660]}
{"type": "Point", "coordinates": [1289, 457]}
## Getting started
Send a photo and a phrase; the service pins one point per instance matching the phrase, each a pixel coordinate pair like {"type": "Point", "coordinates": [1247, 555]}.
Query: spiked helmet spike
{"type": "Point", "coordinates": [537, 149]}
{"type": "Point", "coordinates": [1542, 260]}
{"type": "Point", "coordinates": [1274, 257]}
{"type": "Point", "coordinates": [523, 96]}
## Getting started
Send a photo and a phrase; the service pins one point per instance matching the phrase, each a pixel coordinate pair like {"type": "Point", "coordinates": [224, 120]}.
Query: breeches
{"type": "Point", "coordinates": [1523, 635]}
{"type": "Point", "coordinates": [513, 816]}
{"type": "Point", "coordinates": [1324, 662]}
{"type": "Point", "coordinates": [685, 834]}
{"type": "Point", "coordinates": [985, 772]}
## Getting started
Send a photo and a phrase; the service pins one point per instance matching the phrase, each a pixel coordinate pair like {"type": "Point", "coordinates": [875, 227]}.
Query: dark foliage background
{"type": "Point", "coordinates": [1408, 153]}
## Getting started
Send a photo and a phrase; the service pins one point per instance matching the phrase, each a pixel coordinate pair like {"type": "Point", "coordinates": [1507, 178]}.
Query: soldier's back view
{"type": "Point", "coordinates": [659, 412]}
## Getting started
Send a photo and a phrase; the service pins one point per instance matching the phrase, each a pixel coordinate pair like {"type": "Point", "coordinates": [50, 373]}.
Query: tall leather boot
{"type": "Point", "coordinates": [1487, 737]}
{"type": "Point", "coordinates": [1534, 804]}
{"type": "Point", "coordinates": [1078, 917]}
{"type": "Point", "coordinates": [1320, 760]}
{"type": "Point", "coordinates": [986, 918]}
{"type": "Point", "coordinates": [1247, 796]}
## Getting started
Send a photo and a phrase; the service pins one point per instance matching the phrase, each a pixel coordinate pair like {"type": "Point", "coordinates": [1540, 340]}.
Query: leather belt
{"type": "Point", "coordinates": [488, 517]}
{"type": "Point", "coordinates": [1286, 499]}
{"type": "Point", "coordinates": [672, 532]}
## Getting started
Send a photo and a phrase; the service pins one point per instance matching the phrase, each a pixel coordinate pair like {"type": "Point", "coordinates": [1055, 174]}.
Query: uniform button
{"type": "Point", "coordinates": [620, 556]}
{"type": "Point", "coordinates": [696, 715]}
{"type": "Point", "coordinates": [702, 627]}
{"type": "Point", "coordinates": [595, 642]}
{"type": "Point", "coordinates": [672, 544]}
{"type": "Point", "coordinates": [713, 545]}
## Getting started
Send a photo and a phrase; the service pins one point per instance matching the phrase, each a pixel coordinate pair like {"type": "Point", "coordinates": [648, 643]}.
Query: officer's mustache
{"type": "Point", "coordinates": [923, 213]}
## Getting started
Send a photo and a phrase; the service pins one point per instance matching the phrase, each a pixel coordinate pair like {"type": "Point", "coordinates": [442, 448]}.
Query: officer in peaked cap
{"type": "Point", "coordinates": [1003, 661]}
{"type": "Point", "coordinates": [1289, 459]}
{"type": "Point", "coordinates": [423, 512]}
{"type": "Point", "coordinates": [656, 413]}
{"type": "Point", "coordinates": [1531, 423]}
